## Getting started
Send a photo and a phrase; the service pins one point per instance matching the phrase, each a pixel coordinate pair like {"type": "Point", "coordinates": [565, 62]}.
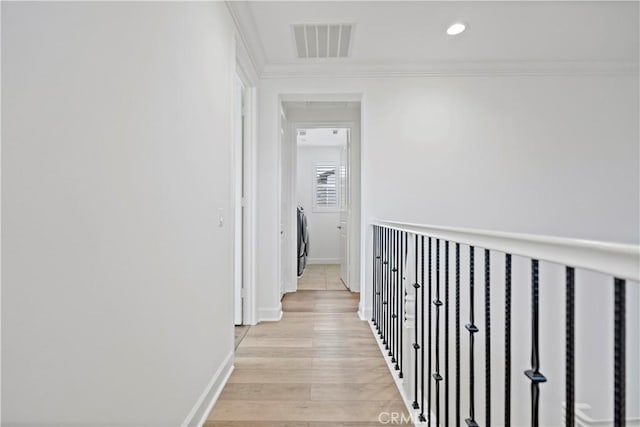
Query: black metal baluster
{"type": "Point", "coordinates": [379, 291]}
{"type": "Point", "coordinates": [422, 418]}
{"type": "Point", "coordinates": [429, 338]}
{"type": "Point", "coordinates": [395, 318]}
{"type": "Point", "coordinates": [446, 333]}
{"type": "Point", "coordinates": [388, 294]}
{"type": "Point", "coordinates": [403, 255]}
{"type": "Point", "coordinates": [534, 374]}
{"type": "Point", "coordinates": [472, 328]}
{"type": "Point", "coordinates": [569, 410]}
{"type": "Point", "coordinates": [383, 307]}
{"type": "Point", "coordinates": [437, 303]}
{"type": "Point", "coordinates": [394, 315]}
{"type": "Point", "coordinates": [380, 269]}
{"type": "Point", "coordinates": [375, 265]}
{"type": "Point", "coordinates": [391, 306]}
{"type": "Point", "coordinates": [507, 341]}
{"type": "Point", "coordinates": [379, 281]}
{"type": "Point", "coordinates": [385, 303]}
{"type": "Point", "coordinates": [457, 333]}
{"type": "Point", "coordinates": [398, 298]}
{"type": "Point", "coordinates": [487, 340]}
{"type": "Point", "coordinates": [416, 346]}
{"type": "Point", "coordinates": [619, 348]}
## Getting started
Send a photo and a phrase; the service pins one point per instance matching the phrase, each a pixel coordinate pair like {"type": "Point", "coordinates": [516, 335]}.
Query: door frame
{"type": "Point", "coordinates": [354, 223]}
{"type": "Point", "coordinates": [238, 202]}
{"type": "Point", "coordinates": [248, 202]}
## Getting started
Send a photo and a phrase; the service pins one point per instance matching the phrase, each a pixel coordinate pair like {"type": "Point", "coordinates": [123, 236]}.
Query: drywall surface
{"type": "Point", "coordinates": [545, 154]}
{"type": "Point", "coordinates": [324, 235]}
{"type": "Point", "coordinates": [116, 278]}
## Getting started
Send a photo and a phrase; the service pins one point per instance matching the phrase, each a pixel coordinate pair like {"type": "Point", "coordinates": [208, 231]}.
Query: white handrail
{"type": "Point", "coordinates": [618, 260]}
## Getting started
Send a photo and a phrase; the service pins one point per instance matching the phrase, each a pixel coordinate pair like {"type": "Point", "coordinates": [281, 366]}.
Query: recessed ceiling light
{"type": "Point", "coordinates": [456, 29]}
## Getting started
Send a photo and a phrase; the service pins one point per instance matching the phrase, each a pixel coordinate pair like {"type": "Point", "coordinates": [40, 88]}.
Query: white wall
{"type": "Point", "coordinates": [324, 236]}
{"type": "Point", "coordinates": [545, 154]}
{"type": "Point", "coordinates": [116, 279]}
{"type": "Point", "coordinates": [532, 154]}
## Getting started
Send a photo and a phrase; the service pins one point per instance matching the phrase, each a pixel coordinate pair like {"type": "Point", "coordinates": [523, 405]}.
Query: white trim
{"type": "Point", "coordinates": [287, 248]}
{"type": "Point", "coordinates": [244, 22]}
{"type": "Point", "coordinates": [287, 287]}
{"type": "Point", "coordinates": [249, 63]}
{"type": "Point", "coordinates": [210, 395]}
{"type": "Point", "coordinates": [398, 381]}
{"type": "Point", "coordinates": [323, 260]}
{"type": "Point", "coordinates": [249, 311]}
{"type": "Point", "coordinates": [584, 419]}
{"type": "Point", "coordinates": [451, 68]}
{"type": "Point", "coordinates": [238, 203]}
{"type": "Point", "coordinates": [271, 314]}
{"type": "Point", "coordinates": [356, 224]}
{"type": "Point", "coordinates": [245, 66]}
{"type": "Point", "coordinates": [615, 259]}
{"type": "Point", "coordinates": [321, 97]}
{"type": "Point", "coordinates": [362, 312]}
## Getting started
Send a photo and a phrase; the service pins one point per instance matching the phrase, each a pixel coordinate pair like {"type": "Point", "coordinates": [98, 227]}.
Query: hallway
{"type": "Point", "coordinates": [469, 174]}
{"type": "Point", "coordinates": [319, 366]}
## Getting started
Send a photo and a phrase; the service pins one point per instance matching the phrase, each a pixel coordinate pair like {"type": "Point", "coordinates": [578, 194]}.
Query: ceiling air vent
{"type": "Point", "coordinates": [322, 40]}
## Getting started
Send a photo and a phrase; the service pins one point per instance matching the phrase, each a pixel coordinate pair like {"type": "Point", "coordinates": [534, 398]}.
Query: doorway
{"type": "Point", "coordinates": [322, 189]}
{"type": "Point", "coordinates": [243, 194]}
{"type": "Point", "coordinates": [320, 158]}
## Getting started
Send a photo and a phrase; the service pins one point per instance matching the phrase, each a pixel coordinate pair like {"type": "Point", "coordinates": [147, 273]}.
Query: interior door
{"type": "Point", "coordinates": [344, 212]}
{"type": "Point", "coordinates": [284, 206]}
{"type": "Point", "coordinates": [238, 204]}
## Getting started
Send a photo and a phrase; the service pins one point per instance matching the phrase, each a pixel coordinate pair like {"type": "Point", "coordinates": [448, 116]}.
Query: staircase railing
{"type": "Point", "coordinates": [426, 292]}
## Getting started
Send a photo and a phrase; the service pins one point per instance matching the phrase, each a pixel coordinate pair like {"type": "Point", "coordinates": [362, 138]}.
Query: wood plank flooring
{"type": "Point", "coordinates": [318, 367]}
{"type": "Point", "coordinates": [318, 277]}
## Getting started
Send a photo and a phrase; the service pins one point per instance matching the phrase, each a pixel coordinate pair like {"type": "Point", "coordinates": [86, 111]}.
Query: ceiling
{"type": "Point", "coordinates": [413, 33]}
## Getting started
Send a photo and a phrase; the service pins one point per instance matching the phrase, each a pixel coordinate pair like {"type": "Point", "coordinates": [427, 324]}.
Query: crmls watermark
{"type": "Point", "coordinates": [395, 418]}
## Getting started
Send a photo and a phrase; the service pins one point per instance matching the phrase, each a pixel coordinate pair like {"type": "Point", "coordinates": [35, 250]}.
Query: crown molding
{"type": "Point", "coordinates": [253, 62]}
{"type": "Point", "coordinates": [336, 69]}
{"type": "Point", "coordinates": [251, 49]}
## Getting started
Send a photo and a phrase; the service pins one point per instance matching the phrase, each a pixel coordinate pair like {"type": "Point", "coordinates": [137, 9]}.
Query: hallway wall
{"type": "Point", "coordinates": [547, 154]}
{"type": "Point", "coordinates": [116, 279]}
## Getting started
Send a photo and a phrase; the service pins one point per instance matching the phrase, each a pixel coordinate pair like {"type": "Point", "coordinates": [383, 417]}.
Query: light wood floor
{"type": "Point", "coordinates": [238, 334]}
{"type": "Point", "coordinates": [318, 367]}
{"type": "Point", "coordinates": [320, 277]}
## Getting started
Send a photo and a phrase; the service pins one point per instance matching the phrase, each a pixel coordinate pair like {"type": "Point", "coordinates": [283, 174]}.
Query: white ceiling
{"type": "Point", "coordinates": [389, 33]}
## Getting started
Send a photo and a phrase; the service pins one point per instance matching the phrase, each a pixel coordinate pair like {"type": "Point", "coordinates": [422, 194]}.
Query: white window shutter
{"type": "Point", "coordinates": [325, 188]}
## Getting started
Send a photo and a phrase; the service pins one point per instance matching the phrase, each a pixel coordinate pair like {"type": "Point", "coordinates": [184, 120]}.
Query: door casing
{"type": "Point", "coordinates": [289, 275]}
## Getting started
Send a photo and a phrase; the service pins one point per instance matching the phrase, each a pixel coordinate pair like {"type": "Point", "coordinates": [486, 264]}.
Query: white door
{"type": "Point", "coordinates": [345, 200]}
{"type": "Point", "coordinates": [283, 203]}
{"type": "Point", "coordinates": [238, 208]}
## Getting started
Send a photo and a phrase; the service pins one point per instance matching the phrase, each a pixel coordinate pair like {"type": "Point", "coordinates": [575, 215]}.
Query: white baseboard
{"type": "Point", "coordinates": [323, 260]}
{"type": "Point", "coordinates": [363, 313]}
{"type": "Point", "coordinates": [198, 414]}
{"type": "Point", "coordinates": [288, 287]}
{"type": "Point", "coordinates": [399, 382]}
{"type": "Point", "coordinates": [270, 314]}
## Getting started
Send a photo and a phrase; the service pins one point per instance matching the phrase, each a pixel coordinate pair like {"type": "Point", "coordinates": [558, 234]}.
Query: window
{"type": "Point", "coordinates": [325, 188]}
